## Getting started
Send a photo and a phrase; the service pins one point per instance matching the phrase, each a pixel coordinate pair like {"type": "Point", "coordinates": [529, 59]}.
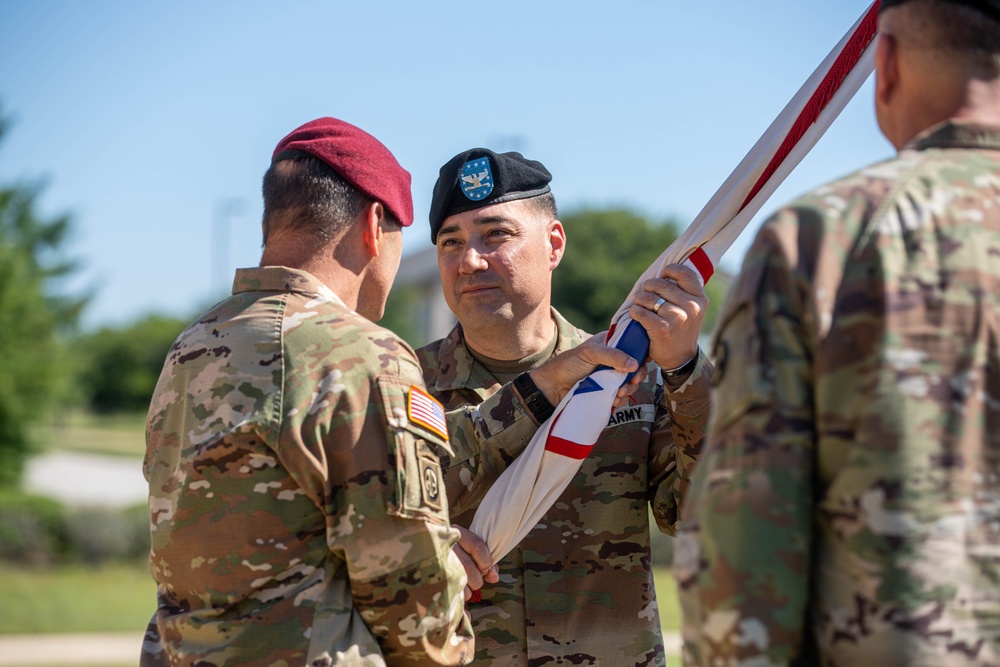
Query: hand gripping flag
{"type": "Point", "coordinates": [533, 482]}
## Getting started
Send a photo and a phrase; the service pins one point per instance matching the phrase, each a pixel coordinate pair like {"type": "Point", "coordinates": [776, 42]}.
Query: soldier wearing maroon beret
{"type": "Point", "coordinates": [297, 504]}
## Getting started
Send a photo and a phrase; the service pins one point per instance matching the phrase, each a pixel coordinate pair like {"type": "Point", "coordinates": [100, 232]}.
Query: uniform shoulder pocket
{"type": "Point", "coordinates": [418, 441]}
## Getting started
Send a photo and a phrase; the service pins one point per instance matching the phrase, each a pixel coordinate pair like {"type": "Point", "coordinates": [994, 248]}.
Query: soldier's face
{"type": "Point", "coordinates": [496, 263]}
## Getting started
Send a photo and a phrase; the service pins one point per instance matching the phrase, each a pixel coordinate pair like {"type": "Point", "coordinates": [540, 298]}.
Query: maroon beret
{"type": "Point", "coordinates": [358, 157]}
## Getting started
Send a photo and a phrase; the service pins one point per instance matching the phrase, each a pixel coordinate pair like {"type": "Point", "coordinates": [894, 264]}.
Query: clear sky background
{"type": "Point", "coordinates": [153, 122]}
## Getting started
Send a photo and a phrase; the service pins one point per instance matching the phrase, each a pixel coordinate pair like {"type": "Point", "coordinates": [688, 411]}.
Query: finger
{"type": "Point", "coordinates": [478, 553]}
{"type": "Point", "coordinates": [650, 321]}
{"type": "Point", "coordinates": [621, 361]}
{"type": "Point", "coordinates": [603, 355]}
{"type": "Point", "coordinates": [624, 393]}
{"type": "Point", "coordinates": [472, 573]}
{"type": "Point", "coordinates": [685, 277]}
{"type": "Point", "coordinates": [637, 378]}
{"type": "Point", "coordinates": [669, 313]}
{"type": "Point", "coordinates": [669, 292]}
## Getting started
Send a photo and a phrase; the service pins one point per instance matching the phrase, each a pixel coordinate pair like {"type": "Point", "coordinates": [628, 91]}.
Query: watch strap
{"type": "Point", "coordinates": [684, 369]}
{"type": "Point", "coordinates": [533, 398]}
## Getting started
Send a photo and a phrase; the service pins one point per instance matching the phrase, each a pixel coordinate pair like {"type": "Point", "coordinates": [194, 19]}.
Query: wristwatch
{"type": "Point", "coordinates": [533, 398]}
{"type": "Point", "coordinates": [683, 369]}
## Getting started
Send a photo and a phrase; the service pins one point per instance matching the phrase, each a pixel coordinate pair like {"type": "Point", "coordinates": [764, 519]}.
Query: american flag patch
{"type": "Point", "coordinates": [424, 409]}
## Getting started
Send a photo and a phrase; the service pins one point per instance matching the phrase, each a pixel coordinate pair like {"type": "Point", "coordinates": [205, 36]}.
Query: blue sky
{"type": "Point", "coordinates": [152, 123]}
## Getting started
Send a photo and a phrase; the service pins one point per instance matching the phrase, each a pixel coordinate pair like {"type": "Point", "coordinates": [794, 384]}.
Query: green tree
{"type": "Point", "coordinates": [120, 366]}
{"type": "Point", "coordinates": [607, 250]}
{"type": "Point", "coordinates": [34, 318]}
{"type": "Point", "coordinates": [402, 314]}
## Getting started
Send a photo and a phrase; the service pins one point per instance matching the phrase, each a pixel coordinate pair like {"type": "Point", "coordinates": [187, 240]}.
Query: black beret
{"type": "Point", "coordinates": [479, 177]}
{"type": "Point", "coordinates": [989, 7]}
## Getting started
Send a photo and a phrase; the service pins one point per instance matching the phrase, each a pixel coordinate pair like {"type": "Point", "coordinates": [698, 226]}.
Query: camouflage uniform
{"type": "Point", "coordinates": [297, 511]}
{"type": "Point", "coordinates": [579, 588]}
{"type": "Point", "coordinates": [846, 510]}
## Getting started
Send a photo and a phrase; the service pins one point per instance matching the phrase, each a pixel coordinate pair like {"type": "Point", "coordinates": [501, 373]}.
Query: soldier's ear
{"type": "Point", "coordinates": [557, 243]}
{"type": "Point", "coordinates": [886, 84]}
{"type": "Point", "coordinates": [371, 230]}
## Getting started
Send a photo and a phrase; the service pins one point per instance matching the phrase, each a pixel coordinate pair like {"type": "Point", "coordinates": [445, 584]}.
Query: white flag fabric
{"type": "Point", "coordinates": [532, 483]}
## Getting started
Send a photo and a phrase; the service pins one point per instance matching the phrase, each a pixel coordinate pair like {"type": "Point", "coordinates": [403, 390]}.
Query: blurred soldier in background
{"type": "Point", "coordinates": [846, 510]}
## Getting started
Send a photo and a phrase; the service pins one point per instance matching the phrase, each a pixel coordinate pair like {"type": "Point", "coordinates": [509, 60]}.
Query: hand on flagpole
{"type": "Point", "coordinates": [557, 377]}
{"type": "Point", "coordinates": [671, 309]}
{"type": "Point", "coordinates": [475, 557]}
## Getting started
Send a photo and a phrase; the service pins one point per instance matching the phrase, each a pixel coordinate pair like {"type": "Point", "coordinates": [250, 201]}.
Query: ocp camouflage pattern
{"type": "Point", "coordinates": [297, 512]}
{"type": "Point", "coordinates": [846, 510]}
{"type": "Point", "coordinates": [578, 590]}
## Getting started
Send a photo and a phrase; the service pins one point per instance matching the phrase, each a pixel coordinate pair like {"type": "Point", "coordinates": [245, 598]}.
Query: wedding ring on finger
{"type": "Point", "coordinates": [659, 302]}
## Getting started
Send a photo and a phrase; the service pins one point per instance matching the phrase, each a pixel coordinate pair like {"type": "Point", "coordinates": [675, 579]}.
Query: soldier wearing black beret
{"type": "Point", "coordinates": [494, 220]}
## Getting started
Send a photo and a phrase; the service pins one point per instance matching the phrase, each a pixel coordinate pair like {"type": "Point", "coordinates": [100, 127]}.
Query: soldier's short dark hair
{"type": "Point", "coordinates": [959, 29]}
{"type": "Point", "coordinates": [544, 205]}
{"type": "Point", "coordinates": [305, 195]}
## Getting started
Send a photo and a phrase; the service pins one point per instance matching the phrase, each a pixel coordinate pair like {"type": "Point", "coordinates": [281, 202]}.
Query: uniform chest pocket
{"type": "Point", "coordinates": [417, 444]}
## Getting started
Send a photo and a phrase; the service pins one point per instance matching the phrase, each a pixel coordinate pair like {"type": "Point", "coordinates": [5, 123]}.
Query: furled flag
{"type": "Point", "coordinates": [533, 482]}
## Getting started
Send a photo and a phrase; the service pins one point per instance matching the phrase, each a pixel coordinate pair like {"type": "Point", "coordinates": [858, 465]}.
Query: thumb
{"type": "Point", "coordinates": [603, 355]}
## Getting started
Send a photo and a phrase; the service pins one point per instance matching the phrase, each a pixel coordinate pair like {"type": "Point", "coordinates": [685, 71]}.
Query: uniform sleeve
{"type": "Point", "coordinates": [485, 439]}
{"type": "Point", "coordinates": [387, 521]}
{"type": "Point", "coordinates": [406, 581]}
{"type": "Point", "coordinates": [743, 549]}
{"type": "Point", "coordinates": [679, 432]}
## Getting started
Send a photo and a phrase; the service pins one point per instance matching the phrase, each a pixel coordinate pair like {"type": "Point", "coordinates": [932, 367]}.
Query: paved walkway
{"type": "Point", "coordinates": [76, 478]}
{"type": "Point", "coordinates": [105, 650]}
{"type": "Point", "coordinates": [111, 650]}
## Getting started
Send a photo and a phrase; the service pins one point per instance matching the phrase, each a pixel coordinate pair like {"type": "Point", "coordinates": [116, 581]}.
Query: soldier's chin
{"type": "Point", "coordinates": [486, 314]}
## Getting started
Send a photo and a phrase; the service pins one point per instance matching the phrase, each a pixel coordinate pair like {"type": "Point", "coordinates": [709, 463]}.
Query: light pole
{"type": "Point", "coordinates": [225, 211]}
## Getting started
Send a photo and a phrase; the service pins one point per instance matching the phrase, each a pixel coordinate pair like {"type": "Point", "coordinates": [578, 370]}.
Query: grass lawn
{"type": "Point", "coordinates": [666, 598]}
{"type": "Point", "coordinates": [120, 597]}
{"type": "Point", "coordinates": [118, 435]}
{"type": "Point", "coordinates": [76, 598]}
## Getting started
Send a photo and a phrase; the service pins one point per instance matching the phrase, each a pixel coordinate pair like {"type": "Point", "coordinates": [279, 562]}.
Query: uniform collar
{"type": "Point", "coordinates": [283, 279]}
{"type": "Point", "coordinates": [470, 373]}
{"type": "Point", "coordinates": [953, 134]}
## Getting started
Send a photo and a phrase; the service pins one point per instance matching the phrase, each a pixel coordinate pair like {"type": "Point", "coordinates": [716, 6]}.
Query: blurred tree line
{"type": "Point", "coordinates": [50, 366]}
{"type": "Point", "coordinates": [34, 318]}
{"type": "Point", "coordinates": [606, 251]}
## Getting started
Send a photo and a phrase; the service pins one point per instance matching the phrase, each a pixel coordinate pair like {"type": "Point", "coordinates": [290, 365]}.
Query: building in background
{"type": "Point", "coordinates": [429, 318]}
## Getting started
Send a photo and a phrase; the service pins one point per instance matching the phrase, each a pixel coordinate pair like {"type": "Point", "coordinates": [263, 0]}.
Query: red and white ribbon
{"type": "Point", "coordinates": [533, 482]}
